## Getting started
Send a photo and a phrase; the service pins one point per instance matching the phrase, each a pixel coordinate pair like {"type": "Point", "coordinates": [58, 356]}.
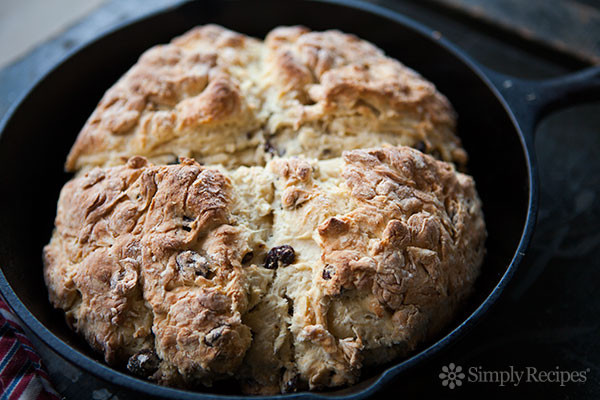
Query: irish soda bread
{"type": "Point", "coordinates": [252, 210]}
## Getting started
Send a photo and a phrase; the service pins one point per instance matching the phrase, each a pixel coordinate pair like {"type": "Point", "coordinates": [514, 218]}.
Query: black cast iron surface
{"type": "Point", "coordinates": [547, 318]}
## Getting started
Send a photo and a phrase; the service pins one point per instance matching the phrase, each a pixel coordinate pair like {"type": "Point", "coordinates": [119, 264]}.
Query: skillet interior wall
{"type": "Point", "coordinates": [34, 144]}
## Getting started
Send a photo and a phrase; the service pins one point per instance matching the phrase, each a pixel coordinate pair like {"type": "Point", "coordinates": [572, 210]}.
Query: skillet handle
{"type": "Point", "coordinates": [531, 100]}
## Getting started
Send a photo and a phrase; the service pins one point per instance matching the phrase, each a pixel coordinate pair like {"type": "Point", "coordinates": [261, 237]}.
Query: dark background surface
{"type": "Point", "coordinates": [548, 318]}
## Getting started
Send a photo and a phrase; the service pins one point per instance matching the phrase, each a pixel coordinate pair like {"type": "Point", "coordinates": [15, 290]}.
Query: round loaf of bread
{"type": "Point", "coordinates": [266, 212]}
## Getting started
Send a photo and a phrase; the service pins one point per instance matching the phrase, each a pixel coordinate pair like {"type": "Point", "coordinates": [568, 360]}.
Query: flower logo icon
{"type": "Point", "coordinates": [452, 375]}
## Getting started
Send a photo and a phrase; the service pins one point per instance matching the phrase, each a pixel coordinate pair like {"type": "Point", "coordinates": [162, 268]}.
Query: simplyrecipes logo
{"type": "Point", "coordinates": [453, 375]}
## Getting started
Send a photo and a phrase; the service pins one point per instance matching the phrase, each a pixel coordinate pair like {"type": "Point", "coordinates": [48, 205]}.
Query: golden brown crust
{"type": "Point", "coordinates": [431, 227]}
{"type": "Point", "coordinates": [139, 247]}
{"type": "Point", "coordinates": [176, 100]}
{"type": "Point", "coordinates": [222, 97]}
{"type": "Point", "coordinates": [390, 242]}
{"type": "Point", "coordinates": [333, 92]}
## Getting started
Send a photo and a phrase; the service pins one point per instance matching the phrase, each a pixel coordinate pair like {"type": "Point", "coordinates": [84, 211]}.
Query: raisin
{"type": "Point", "coordinates": [192, 264]}
{"type": "Point", "coordinates": [421, 146]}
{"type": "Point", "coordinates": [187, 220]}
{"type": "Point", "coordinates": [269, 148]}
{"type": "Point", "coordinates": [143, 363]}
{"type": "Point", "coordinates": [291, 385]}
{"type": "Point", "coordinates": [290, 302]}
{"type": "Point", "coordinates": [214, 335]}
{"type": "Point", "coordinates": [328, 271]}
{"type": "Point", "coordinates": [247, 257]}
{"type": "Point", "coordinates": [280, 255]}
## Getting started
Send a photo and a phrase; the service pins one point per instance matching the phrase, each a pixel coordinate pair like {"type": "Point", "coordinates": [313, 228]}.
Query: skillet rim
{"type": "Point", "coordinates": [113, 376]}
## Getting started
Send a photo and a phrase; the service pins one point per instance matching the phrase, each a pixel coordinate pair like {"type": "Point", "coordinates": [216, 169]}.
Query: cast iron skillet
{"type": "Point", "coordinates": [497, 116]}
